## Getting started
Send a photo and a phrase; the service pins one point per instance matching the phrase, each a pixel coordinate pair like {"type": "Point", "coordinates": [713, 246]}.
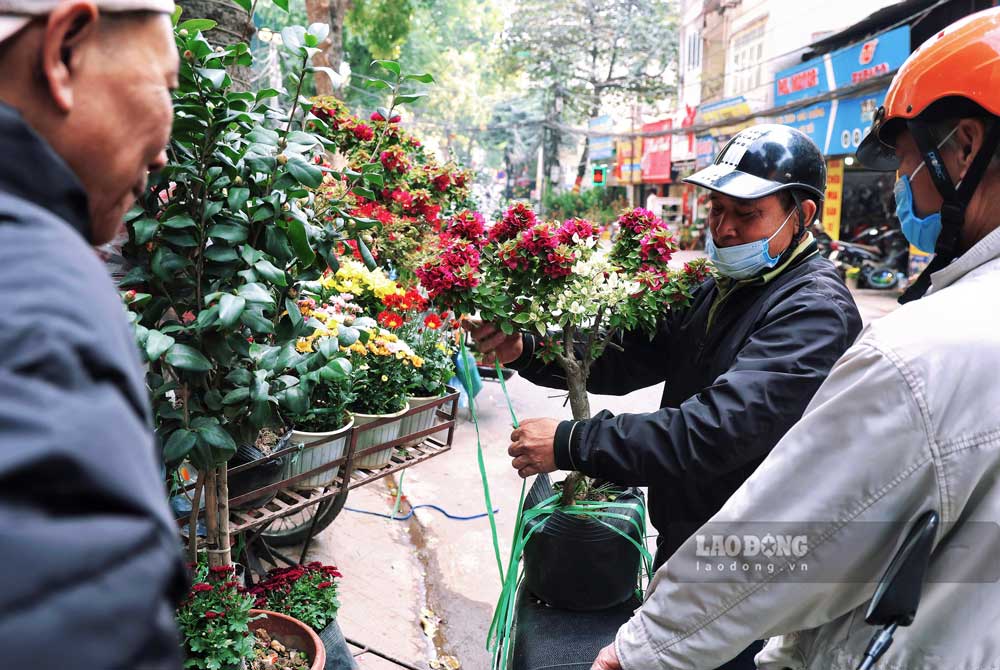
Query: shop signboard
{"type": "Point", "coordinates": [656, 153]}
{"type": "Point", "coordinates": [706, 150]}
{"type": "Point", "coordinates": [729, 108]}
{"type": "Point", "coordinates": [628, 169]}
{"type": "Point", "coordinates": [602, 147]}
{"type": "Point", "coordinates": [834, 197]}
{"type": "Point", "coordinates": [838, 126]}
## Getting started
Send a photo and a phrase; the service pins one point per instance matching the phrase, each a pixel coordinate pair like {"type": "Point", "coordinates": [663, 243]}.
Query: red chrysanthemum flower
{"type": "Point", "coordinates": [432, 321]}
{"type": "Point", "coordinates": [390, 320]}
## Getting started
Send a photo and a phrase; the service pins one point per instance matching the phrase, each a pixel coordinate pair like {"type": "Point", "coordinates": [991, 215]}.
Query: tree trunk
{"type": "Point", "coordinates": [331, 12]}
{"type": "Point", "coordinates": [234, 26]}
{"type": "Point", "coordinates": [217, 518]}
{"type": "Point", "coordinates": [579, 402]}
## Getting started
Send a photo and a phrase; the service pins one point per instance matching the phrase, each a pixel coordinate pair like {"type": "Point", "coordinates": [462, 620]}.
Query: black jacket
{"type": "Point", "coordinates": [90, 563]}
{"type": "Point", "coordinates": [732, 391]}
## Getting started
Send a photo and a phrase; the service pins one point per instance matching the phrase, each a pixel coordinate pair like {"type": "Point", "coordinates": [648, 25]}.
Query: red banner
{"type": "Point", "coordinates": [656, 153]}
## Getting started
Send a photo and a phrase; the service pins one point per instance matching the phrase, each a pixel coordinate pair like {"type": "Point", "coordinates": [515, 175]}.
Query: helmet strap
{"type": "Point", "coordinates": [955, 200]}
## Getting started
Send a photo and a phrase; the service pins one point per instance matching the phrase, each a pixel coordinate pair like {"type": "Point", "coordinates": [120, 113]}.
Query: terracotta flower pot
{"type": "Point", "coordinates": [293, 634]}
{"type": "Point", "coordinates": [370, 438]}
{"type": "Point", "coordinates": [322, 448]}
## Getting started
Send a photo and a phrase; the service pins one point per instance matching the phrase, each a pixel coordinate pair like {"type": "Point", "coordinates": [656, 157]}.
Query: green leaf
{"type": "Point", "coordinates": [179, 239]}
{"type": "Point", "coordinates": [377, 84]}
{"type": "Point", "coordinates": [256, 293]}
{"type": "Point", "coordinates": [295, 399]}
{"type": "Point", "coordinates": [221, 253]}
{"type": "Point", "coordinates": [329, 347]}
{"type": "Point", "coordinates": [261, 135]}
{"type": "Point", "coordinates": [305, 173]}
{"type": "Point", "coordinates": [217, 78]}
{"type": "Point", "coordinates": [179, 445]}
{"type": "Point", "coordinates": [137, 275]}
{"type": "Point", "coordinates": [282, 3]}
{"type": "Point", "coordinates": [236, 396]}
{"type": "Point", "coordinates": [238, 197]}
{"type": "Point", "coordinates": [366, 255]}
{"type": "Point", "coordinates": [183, 357]}
{"type": "Point", "coordinates": [293, 37]}
{"type": "Point", "coordinates": [256, 322]}
{"type": "Point", "coordinates": [260, 390]}
{"type": "Point", "coordinates": [268, 271]}
{"type": "Point", "coordinates": [347, 335]}
{"type": "Point", "coordinates": [364, 192]}
{"type": "Point", "coordinates": [197, 25]}
{"type": "Point", "coordinates": [245, 4]}
{"type": "Point", "coordinates": [230, 308]}
{"type": "Point", "coordinates": [165, 263]}
{"type": "Point", "coordinates": [230, 233]}
{"type": "Point", "coordinates": [145, 229]}
{"type": "Point", "coordinates": [300, 242]}
{"type": "Point", "coordinates": [179, 222]}
{"type": "Point", "coordinates": [412, 97]}
{"type": "Point", "coordinates": [221, 442]}
{"type": "Point", "coordinates": [157, 344]}
{"type": "Point", "coordinates": [390, 65]}
{"type": "Point", "coordinates": [294, 313]}
{"type": "Point", "coordinates": [337, 370]}
{"type": "Point", "coordinates": [239, 377]}
{"type": "Point", "coordinates": [523, 317]}
{"type": "Point", "coordinates": [206, 317]}
{"type": "Point", "coordinates": [425, 78]}
{"type": "Point", "coordinates": [374, 178]}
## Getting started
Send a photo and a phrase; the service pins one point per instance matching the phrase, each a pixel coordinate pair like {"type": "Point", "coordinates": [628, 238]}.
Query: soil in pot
{"type": "Point", "coordinates": [578, 563]}
{"type": "Point", "coordinates": [269, 654]}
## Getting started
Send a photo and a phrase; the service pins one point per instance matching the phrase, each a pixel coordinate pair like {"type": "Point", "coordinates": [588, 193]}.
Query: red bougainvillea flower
{"type": "Point", "coordinates": [442, 182]}
{"type": "Point", "coordinates": [363, 132]}
{"type": "Point", "coordinates": [433, 321]}
{"type": "Point", "coordinates": [539, 240]}
{"type": "Point", "coordinates": [390, 320]}
{"type": "Point", "coordinates": [402, 198]}
{"type": "Point", "coordinates": [657, 245]}
{"type": "Point", "coordinates": [639, 220]}
{"type": "Point", "coordinates": [394, 160]}
{"type": "Point", "coordinates": [582, 228]}
{"type": "Point", "coordinates": [518, 218]}
{"type": "Point", "coordinates": [466, 225]}
{"type": "Point", "coordinates": [559, 262]}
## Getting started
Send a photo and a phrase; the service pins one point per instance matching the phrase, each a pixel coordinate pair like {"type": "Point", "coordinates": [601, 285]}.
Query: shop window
{"type": "Point", "coordinates": [746, 56]}
{"type": "Point", "coordinates": [693, 50]}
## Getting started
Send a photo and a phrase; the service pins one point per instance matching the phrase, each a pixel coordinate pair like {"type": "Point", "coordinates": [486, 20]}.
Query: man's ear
{"type": "Point", "coordinates": [968, 136]}
{"type": "Point", "coordinates": [809, 209]}
{"type": "Point", "coordinates": [67, 27]}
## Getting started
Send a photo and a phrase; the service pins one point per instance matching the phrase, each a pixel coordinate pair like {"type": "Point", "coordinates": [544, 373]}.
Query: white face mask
{"type": "Point", "coordinates": [744, 260]}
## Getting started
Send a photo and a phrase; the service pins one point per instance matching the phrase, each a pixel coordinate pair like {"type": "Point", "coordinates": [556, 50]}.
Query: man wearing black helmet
{"type": "Point", "coordinates": [740, 363]}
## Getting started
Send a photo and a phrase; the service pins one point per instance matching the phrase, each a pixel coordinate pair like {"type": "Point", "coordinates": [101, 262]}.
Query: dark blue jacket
{"type": "Point", "coordinates": [90, 564]}
{"type": "Point", "coordinates": [733, 388]}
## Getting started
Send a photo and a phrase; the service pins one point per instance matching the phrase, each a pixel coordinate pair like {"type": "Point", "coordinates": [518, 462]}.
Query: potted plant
{"type": "Point", "coordinates": [432, 340]}
{"type": "Point", "coordinates": [322, 430]}
{"type": "Point", "coordinates": [214, 620]}
{"type": "Point", "coordinates": [383, 365]}
{"type": "Point", "coordinates": [308, 593]}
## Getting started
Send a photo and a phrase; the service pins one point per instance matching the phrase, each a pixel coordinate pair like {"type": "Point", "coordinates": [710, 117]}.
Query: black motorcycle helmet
{"type": "Point", "coordinates": [764, 160]}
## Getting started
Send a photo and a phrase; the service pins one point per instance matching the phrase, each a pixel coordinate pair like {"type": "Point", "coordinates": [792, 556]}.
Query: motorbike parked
{"type": "Point", "coordinates": [882, 264]}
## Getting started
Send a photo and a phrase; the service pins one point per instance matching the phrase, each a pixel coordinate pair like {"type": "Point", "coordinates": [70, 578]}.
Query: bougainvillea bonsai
{"type": "Point", "coordinates": [556, 280]}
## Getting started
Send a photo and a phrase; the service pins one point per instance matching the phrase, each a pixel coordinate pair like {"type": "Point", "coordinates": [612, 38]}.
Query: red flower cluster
{"type": "Point", "coordinates": [373, 210]}
{"type": "Point", "coordinates": [281, 580]}
{"type": "Point", "coordinates": [697, 272]}
{"type": "Point", "coordinates": [538, 240]}
{"type": "Point", "coordinates": [454, 269]}
{"type": "Point", "coordinates": [467, 225]}
{"type": "Point", "coordinates": [580, 227]}
{"type": "Point", "coordinates": [201, 587]}
{"type": "Point", "coordinates": [214, 615]}
{"type": "Point", "coordinates": [653, 277]}
{"type": "Point", "coordinates": [390, 320]}
{"type": "Point", "coordinates": [657, 244]}
{"type": "Point", "coordinates": [394, 160]}
{"type": "Point", "coordinates": [639, 220]}
{"type": "Point", "coordinates": [517, 219]}
{"type": "Point", "coordinates": [442, 182]}
{"type": "Point", "coordinates": [409, 301]}
{"type": "Point", "coordinates": [363, 132]}
{"type": "Point", "coordinates": [433, 321]}
{"type": "Point", "coordinates": [559, 262]}
{"type": "Point", "coordinates": [376, 116]}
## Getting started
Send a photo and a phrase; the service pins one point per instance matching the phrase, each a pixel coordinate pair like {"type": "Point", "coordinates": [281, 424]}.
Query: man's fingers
{"type": "Point", "coordinates": [515, 449]}
{"type": "Point", "coordinates": [471, 324]}
{"type": "Point", "coordinates": [522, 462]}
{"type": "Point", "coordinates": [515, 435]}
{"type": "Point", "coordinates": [527, 472]}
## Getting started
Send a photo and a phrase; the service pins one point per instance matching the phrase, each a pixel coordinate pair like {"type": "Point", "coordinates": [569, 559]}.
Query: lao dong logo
{"type": "Point", "coordinates": [751, 546]}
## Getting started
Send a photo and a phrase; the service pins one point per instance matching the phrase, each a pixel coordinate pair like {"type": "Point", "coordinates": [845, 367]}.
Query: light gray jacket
{"type": "Point", "coordinates": [908, 420]}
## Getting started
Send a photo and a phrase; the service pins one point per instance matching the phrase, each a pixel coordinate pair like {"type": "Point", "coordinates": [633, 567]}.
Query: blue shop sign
{"type": "Point", "coordinates": [836, 126]}
{"type": "Point", "coordinates": [851, 65]}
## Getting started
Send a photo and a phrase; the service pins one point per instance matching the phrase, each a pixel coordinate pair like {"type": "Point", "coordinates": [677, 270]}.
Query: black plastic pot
{"type": "Point", "coordinates": [338, 654]}
{"type": "Point", "coordinates": [578, 563]}
{"type": "Point", "coordinates": [266, 471]}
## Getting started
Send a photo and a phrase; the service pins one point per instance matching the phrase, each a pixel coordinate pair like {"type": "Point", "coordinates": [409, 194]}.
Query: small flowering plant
{"type": "Point", "coordinates": [384, 368]}
{"type": "Point", "coordinates": [305, 592]}
{"type": "Point", "coordinates": [433, 339]}
{"type": "Point", "coordinates": [369, 288]}
{"type": "Point", "coordinates": [555, 279]}
{"type": "Point", "coordinates": [214, 620]}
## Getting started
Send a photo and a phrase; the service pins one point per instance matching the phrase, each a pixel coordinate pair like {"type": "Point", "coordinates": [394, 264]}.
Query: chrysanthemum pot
{"type": "Point", "coordinates": [384, 433]}
{"type": "Point", "coordinates": [421, 420]}
{"type": "Point", "coordinates": [293, 634]}
{"type": "Point", "coordinates": [318, 449]}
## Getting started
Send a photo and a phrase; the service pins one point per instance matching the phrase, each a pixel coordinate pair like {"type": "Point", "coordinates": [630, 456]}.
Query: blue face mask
{"type": "Point", "coordinates": [744, 260]}
{"type": "Point", "coordinates": [921, 232]}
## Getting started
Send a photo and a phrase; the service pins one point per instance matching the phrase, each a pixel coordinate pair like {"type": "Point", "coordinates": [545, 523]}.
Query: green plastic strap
{"type": "Point", "coordinates": [510, 406]}
{"type": "Point", "coordinates": [479, 456]}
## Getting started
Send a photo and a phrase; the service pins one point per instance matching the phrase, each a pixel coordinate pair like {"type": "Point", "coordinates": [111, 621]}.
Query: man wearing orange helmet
{"type": "Point", "coordinates": [905, 423]}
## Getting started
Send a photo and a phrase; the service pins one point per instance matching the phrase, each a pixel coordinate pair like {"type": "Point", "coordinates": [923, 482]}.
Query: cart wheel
{"type": "Point", "coordinates": [294, 529]}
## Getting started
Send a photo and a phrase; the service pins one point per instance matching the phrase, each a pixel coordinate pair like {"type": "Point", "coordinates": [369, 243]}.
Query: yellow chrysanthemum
{"type": "Point", "coordinates": [304, 345]}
